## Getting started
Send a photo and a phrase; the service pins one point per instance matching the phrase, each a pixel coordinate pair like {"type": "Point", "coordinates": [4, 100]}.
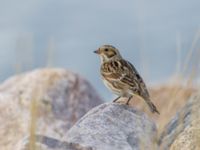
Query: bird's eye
{"type": "Point", "coordinates": [106, 49]}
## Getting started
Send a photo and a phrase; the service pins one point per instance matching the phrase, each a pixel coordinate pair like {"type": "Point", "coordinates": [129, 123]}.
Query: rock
{"type": "Point", "coordinates": [183, 131]}
{"type": "Point", "coordinates": [112, 126]}
{"type": "Point", "coordinates": [189, 139]}
{"type": "Point", "coordinates": [48, 143]}
{"type": "Point", "coordinates": [46, 101]}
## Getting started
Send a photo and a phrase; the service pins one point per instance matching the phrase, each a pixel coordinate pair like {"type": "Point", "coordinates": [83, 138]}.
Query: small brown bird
{"type": "Point", "coordinates": [121, 77]}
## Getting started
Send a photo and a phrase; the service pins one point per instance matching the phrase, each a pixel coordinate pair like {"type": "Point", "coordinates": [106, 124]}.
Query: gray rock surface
{"type": "Point", "coordinates": [112, 126]}
{"type": "Point", "coordinates": [49, 143]}
{"type": "Point", "coordinates": [45, 101]}
{"type": "Point", "coordinates": [183, 131]}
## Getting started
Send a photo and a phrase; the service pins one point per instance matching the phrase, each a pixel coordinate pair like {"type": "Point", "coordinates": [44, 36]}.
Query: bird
{"type": "Point", "coordinates": [121, 77]}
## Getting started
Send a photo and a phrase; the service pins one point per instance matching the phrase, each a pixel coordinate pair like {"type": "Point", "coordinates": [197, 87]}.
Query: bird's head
{"type": "Point", "coordinates": [108, 52]}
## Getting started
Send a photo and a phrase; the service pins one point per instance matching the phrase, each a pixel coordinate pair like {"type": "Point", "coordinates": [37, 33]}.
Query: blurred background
{"type": "Point", "coordinates": [160, 38]}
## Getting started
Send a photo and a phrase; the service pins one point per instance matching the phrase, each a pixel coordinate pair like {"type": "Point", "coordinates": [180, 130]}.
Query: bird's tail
{"type": "Point", "coordinates": [152, 107]}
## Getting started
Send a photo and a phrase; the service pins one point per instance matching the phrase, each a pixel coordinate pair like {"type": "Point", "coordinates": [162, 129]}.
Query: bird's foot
{"type": "Point", "coordinates": [115, 100]}
{"type": "Point", "coordinates": [128, 101]}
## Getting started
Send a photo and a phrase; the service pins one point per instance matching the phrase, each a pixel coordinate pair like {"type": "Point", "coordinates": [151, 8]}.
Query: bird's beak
{"type": "Point", "coordinates": [97, 51]}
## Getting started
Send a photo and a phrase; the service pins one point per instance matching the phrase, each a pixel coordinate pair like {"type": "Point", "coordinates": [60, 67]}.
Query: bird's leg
{"type": "Point", "coordinates": [116, 99]}
{"type": "Point", "coordinates": [129, 99]}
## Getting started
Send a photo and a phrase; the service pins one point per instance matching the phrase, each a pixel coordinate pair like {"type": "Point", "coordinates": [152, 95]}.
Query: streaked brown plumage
{"type": "Point", "coordinates": [121, 77]}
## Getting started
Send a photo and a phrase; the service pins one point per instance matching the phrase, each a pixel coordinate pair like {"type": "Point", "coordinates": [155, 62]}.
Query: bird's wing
{"type": "Point", "coordinates": [143, 89]}
{"type": "Point", "coordinates": [124, 72]}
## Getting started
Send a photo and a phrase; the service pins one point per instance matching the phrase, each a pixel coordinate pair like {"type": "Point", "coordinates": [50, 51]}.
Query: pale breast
{"type": "Point", "coordinates": [112, 88]}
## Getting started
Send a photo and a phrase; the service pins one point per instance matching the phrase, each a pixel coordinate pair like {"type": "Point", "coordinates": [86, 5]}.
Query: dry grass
{"type": "Point", "coordinates": [33, 115]}
{"type": "Point", "coordinates": [169, 99]}
{"type": "Point", "coordinates": [172, 96]}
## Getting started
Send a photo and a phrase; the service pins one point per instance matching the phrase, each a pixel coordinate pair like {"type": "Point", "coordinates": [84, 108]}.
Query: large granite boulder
{"type": "Point", "coordinates": [183, 131]}
{"type": "Point", "coordinates": [114, 126]}
{"type": "Point", "coordinates": [109, 126]}
{"type": "Point", "coordinates": [46, 101]}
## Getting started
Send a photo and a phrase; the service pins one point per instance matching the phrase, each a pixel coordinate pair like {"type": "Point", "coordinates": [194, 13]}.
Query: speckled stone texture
{"type": "Point", "coordinates": [183, 132]}
{"type": "Point", "coordinates": [112, 126]}
{"type": "Point", "coordinates": [52, 100]}
{"type": "Point", "coordinates": [49, 143]}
